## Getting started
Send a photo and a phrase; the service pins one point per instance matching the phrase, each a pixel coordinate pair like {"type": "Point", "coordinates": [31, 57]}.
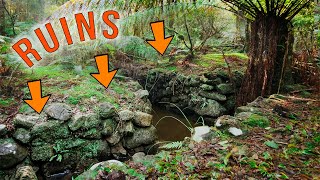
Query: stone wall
{"type": "Point", "coordinates": [63, 138]}
{"type": "Point", "coordinates": [209, 95]}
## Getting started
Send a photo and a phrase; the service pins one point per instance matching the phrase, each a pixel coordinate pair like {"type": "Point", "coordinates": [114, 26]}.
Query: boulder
{"type": "Point", "coordinates": [3, 130]}
{"type": "Point", "coordinates": [213, 96]}
{"type": "Point", "coordinates": [27, 121]}
{"type": "Point", "coordinates": [84, 121]}
{"type": "Point", "coordinates": [142, 119]}
{"type": "Point", "coordinates": [106, 110]}
{"type": "Point", "coordinates": [141, 136]}
{"type": "Point", "coordinates": [126, 115]}
{"type": "Point", "coordinates": [25, 173]}
{"type": "Point", "coordinates": [226, 88]}
{"type": "Point", "coordinates": [59, 111]}
{"type": "Point", "coordinates": [118, 151]}
{"type": "Point", "coordinates": [209, 107]}
{"type": "Point", "coordinates": [108, 126]}
{"type": "Point", "coordinates": [22, 135]}
{"type": "Point", "coordinates": [11, 153]}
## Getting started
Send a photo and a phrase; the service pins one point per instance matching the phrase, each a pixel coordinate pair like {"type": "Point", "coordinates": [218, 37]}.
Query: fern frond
{"type": "Point", "coordinates": [173, 145]}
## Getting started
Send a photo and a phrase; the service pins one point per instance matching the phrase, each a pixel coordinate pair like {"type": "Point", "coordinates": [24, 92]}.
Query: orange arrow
{"type": "Point", "coordinates": [160, 42]}
{"type": "Point", "coordinates": [104, 76]}
{"type": "Point", "coordinates": [37, 102]}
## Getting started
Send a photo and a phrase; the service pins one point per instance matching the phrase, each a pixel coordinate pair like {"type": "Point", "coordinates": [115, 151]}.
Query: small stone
{"type": "Point", "coordinates": [114, 138]}
{"type": "Point", "coordinates": [22, 135]}
{"type": "Point", "coordinates": [213, 96]}
{"type": "Point", "coordinates": [11, 153]}
{"type": "Point", "coordinates": [199, 132]}
{"type": "Point", "coordinates": [59, 111]}
{"type": "Point", "coordinates": [3, 130]}
{"type": "Point", "coordinates": [107, 163]}
{"type": "Point", "coordinates": [107, 110]}
{"type": "Point", "coordinates": [25, 173]}
{"type": "Point", "coordinates": [141, 94]}
{"type": "Point", "coordinates": [225, 88]}
{"type": "Point", "coordinates": [138, 157]}
{"type": "Point", "coordinates": [126, 115]}
{"type": "Point", "coordinates": [225, 120]}
{"type": "Point", "coordinates": [108, 126]}
{"type": "Point", "coordinates": [128, 128]}
{"type": "Point", "coordinates": [206, 87]}
{"type": "Point", "coordinates": [235, 131]}
{"type": "Point", "coordinates": [142, 119]}
{"type": "Point", "coordinates": [118, 151]}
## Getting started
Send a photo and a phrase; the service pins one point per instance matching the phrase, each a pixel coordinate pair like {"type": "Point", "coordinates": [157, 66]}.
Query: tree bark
{"type": "Point", "coordinates": [267, 63]}
{"type": "Point", "coordinates": [2, 20]}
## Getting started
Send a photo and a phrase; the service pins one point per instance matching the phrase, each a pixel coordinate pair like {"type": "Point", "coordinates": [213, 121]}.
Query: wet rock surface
{"type": "Point", "coordinates": [11, 153]}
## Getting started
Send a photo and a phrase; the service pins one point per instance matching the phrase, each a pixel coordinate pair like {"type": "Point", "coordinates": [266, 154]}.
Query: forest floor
{"type": "Point", "coordinates": [277, 144]}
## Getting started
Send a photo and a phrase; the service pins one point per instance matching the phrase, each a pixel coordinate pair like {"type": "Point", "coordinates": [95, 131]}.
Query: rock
{"type": "Point", "coordinates": [141, 94]}
{"type": "Point", "coordinates": [3, 130]}
{"type": "Point", "coordinates": [235, 131]}
{"type": "Point", "coordinates": [96, 149]}
{"type": "Point", "coordinates": [59, 111]}
{"type": "Point", "coordinates": [201, 133]}
{"type": "Point", "coordinates": [225, 88]}
{"type": "Point", "coordinates": [22, 135]}
{"type": "Point", "coordinates": [26, 121]}
{"type": "Point", "coordinates": [126, 115]}
{"type": "Point", "coordinates": [11, 153]}
{"type": "Point", "coordinates": [84, 121]}
{"type": "Point", "coordinates": [107, 110]}
{"type": "Point", "coordinates": [206, 87]}
{"type": "Point", "coordinates": [209, 108]}
{"type": "Point", "coordinates": [48, 131]}
{"type": "Point", "coordinates": [42, 153]}
{"type": "Point", "coordinates": [138, 157]}
{"type": "Point", "coordinates": [248, 109]}
{"type": "Point", "coordinates": [141, 136]}
{"type": "Point", "coordinates": [118, 151]}
{"type": "Point", "coordinates": [243, 116]}
{"type": "Point", "coordinates": [193, 81]}
{"type": "Point", "coordinates": [226, 120]}
{"type": "Point", "coordinates": [114, 138]}
{"type": "Point", "coordinates": [108, 126]}
{"type": "Point", "coordinates": [25, 173]}
{"type": "Point", "coordinates": [128, 128]}
{"type": "Point", "coordinates": [142, 119]}
{"type": "Point", "coordinates": [91, 134]}
{"type": "Point", "coordinates": [213, 96]}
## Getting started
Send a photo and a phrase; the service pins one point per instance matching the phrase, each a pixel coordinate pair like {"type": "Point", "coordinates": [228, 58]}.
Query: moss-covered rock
{"type": "Point", "coordinates": [141, 136]}
{"type": "Point", "coordinates": [59, 111]}
{"type": "Point", "coordinates": [11, 153]}
{"type": "Point", "coordinates": [108, 126]}
{"type": "Point", "coordinates": [213, 96]}
{"type": "Point", "coordinates": [42, 153]}
{"type": "Point", "coordinates": [225, 88]}
{"type": "Point", "coordinates": [22, 135]}
{"type": "Point", "coordinates": [84, 121]}
{"type": "Point", "coordinates": [27, 121]}
{"type": "Point", "coordinates": [106, 110]}
{"type": "Point", "coordinates": [50, 130]}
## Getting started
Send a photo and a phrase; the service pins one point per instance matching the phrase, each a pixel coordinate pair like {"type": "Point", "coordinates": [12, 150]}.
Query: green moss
{"type": "Point", "coordinates": [256, 120]}
{"type": "Point", "coordinates": [209, 60]}
{"type": "Point", "coordinates": [6, 102]}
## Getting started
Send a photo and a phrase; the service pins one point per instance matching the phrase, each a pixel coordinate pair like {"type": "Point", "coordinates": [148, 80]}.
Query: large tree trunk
{"type": "Point", "coordinates": [2, 20]}
{"type": "Point", "coordinates": [270, 48]}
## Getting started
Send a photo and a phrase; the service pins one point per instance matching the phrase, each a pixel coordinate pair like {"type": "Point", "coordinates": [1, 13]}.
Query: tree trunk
{"type": "Point", "coordinates": [268, 52]}
{"type": "Point", "coordinates": [2, 19]}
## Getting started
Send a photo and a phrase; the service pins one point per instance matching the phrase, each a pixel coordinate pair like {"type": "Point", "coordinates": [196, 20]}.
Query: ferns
{"type": "Point", "coordinates": [172, 145]}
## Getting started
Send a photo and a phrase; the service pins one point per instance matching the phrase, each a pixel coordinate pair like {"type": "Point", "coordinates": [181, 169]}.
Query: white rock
{"type": "Point", "coordinates": [199, 132]}
{"type": "Point", "coordinates": [106, 163]}
{"type": "Point", "coordinates": [235, 131]}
